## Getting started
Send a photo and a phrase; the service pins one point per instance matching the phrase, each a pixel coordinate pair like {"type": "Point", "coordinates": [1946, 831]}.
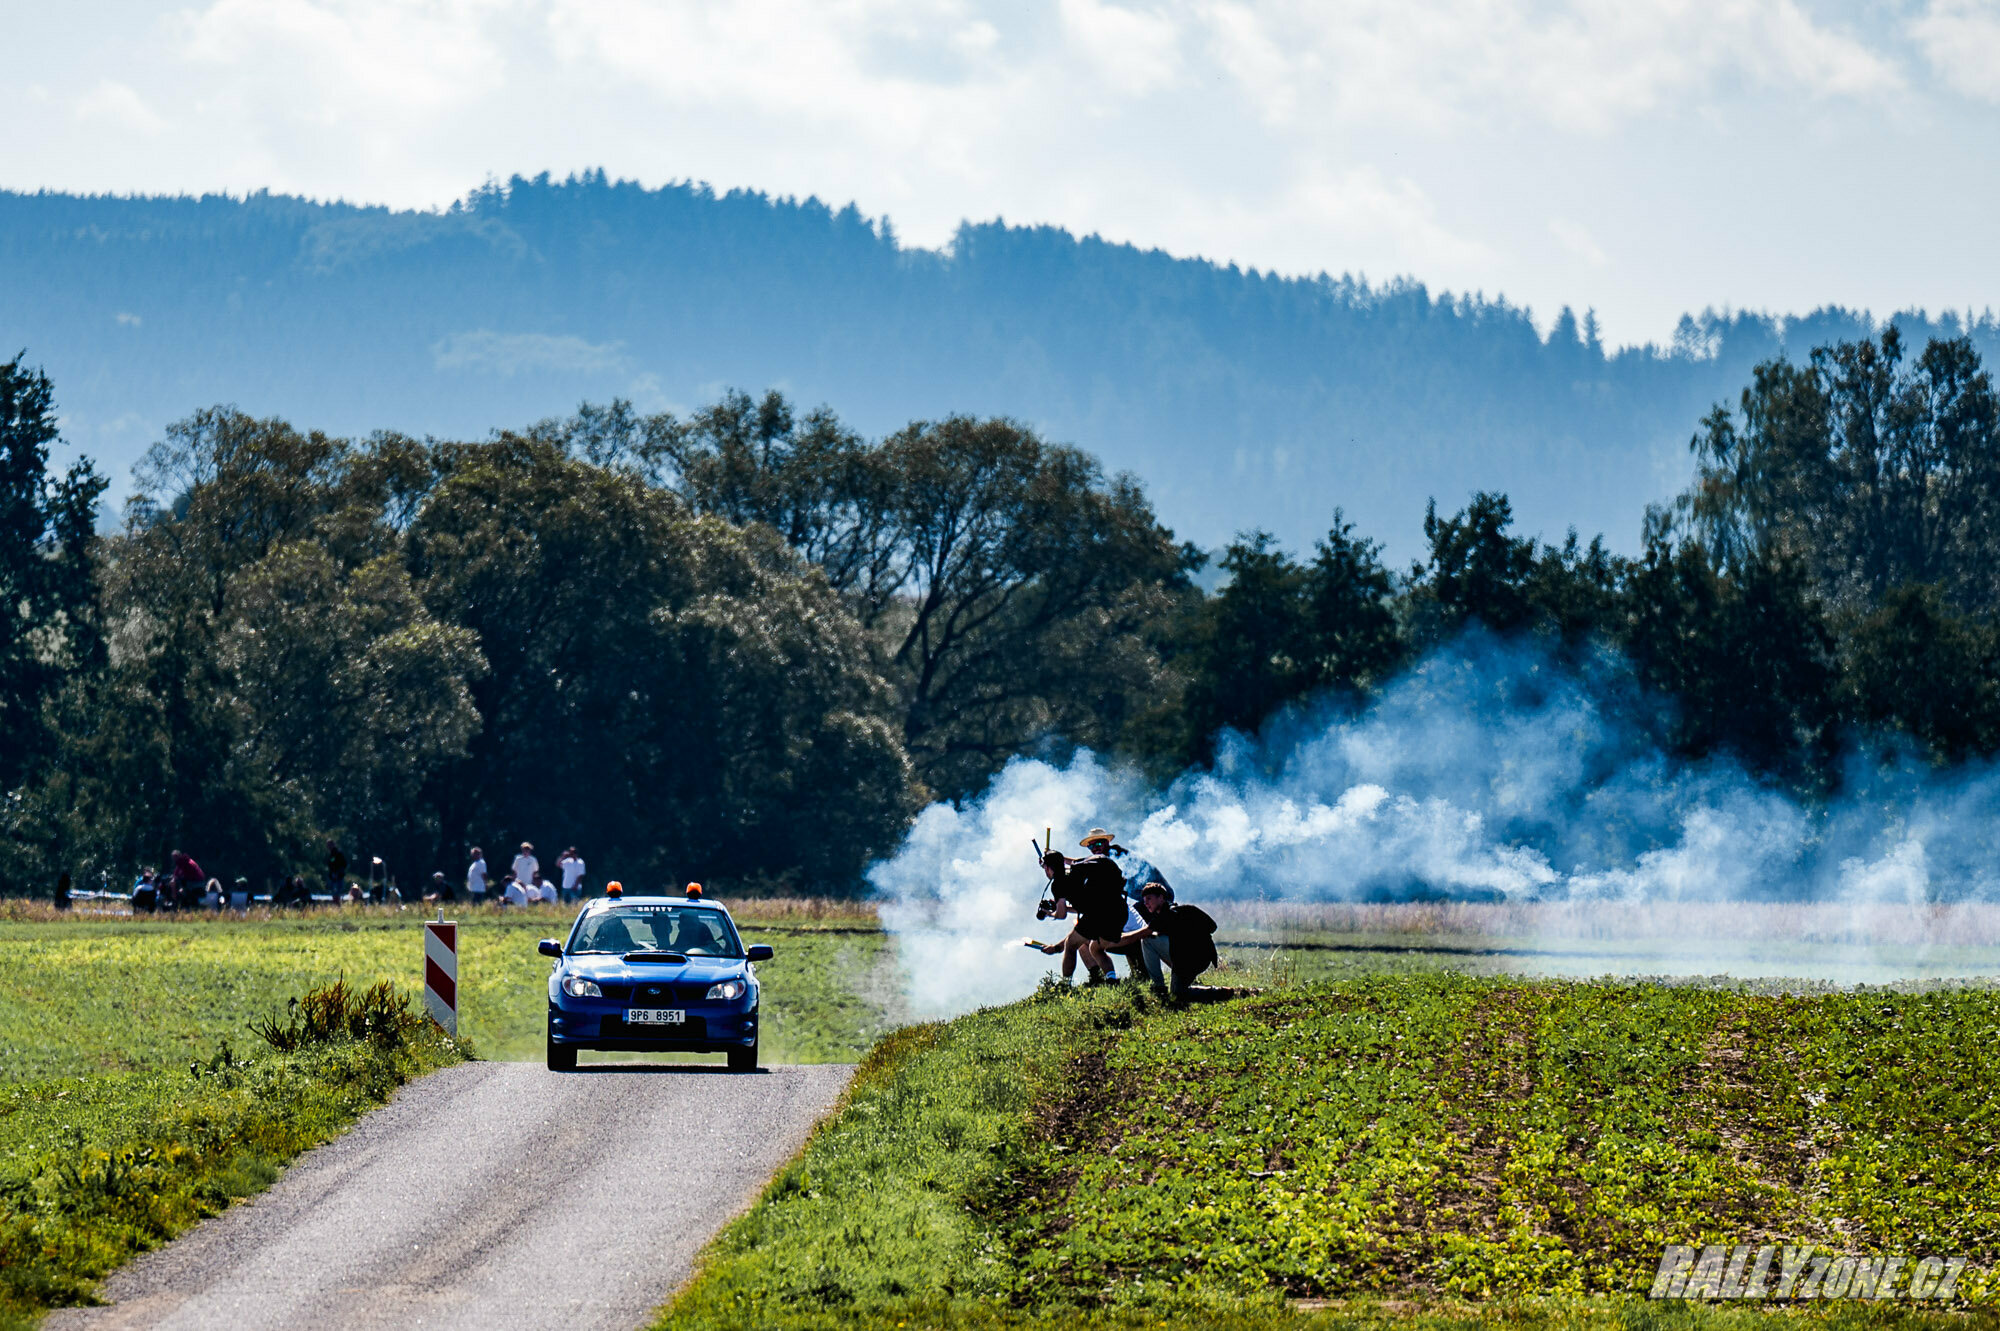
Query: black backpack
{"type": "Point", "coordinates": [1191, 934]}
{"type": "Point", "coordinates": [1197, 916]}
{"type": "Point", "coordinates": [1101, 881]}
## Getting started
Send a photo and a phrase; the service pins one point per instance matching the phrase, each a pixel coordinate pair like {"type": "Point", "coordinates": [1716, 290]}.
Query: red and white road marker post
{"type": "Point", "coordinates": [441, 972]}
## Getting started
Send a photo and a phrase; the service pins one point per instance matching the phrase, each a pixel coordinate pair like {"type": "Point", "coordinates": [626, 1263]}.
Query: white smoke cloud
{"type": "Point", "coordinates": [1487, 773]}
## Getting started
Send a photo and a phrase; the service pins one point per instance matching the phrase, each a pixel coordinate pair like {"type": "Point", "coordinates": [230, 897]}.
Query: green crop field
{"type": "Point", "coordinates": [1465, 1149]}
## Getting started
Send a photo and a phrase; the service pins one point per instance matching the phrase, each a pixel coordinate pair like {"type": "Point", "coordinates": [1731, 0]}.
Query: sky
{"type": "Point", "coordinates": [1640, 158]}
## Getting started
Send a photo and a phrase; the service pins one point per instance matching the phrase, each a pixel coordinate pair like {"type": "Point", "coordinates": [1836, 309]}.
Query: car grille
{"type": "Point", "coordinates": [660, 994]}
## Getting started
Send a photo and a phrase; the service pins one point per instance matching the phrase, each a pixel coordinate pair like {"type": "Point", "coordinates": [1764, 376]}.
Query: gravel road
{"type": "Point", "coordinates": [488, 1195]}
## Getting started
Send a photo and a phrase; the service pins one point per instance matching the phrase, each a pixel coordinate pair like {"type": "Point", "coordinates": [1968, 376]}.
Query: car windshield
{"type": "Point", "coordinates": [690, 930]}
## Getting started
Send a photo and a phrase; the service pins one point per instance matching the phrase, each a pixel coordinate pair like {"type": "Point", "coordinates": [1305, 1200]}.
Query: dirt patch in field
{"type": "Point", "coordinates": [1754, 1091]}
{"type": "Point", "coordinates": [1075, 1109]}
{"type": "Point", "coordinates": [1494, 1068]}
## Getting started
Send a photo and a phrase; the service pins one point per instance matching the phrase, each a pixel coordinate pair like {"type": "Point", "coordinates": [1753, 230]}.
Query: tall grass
{"type": "Point", "coordinates": [96, 1169]}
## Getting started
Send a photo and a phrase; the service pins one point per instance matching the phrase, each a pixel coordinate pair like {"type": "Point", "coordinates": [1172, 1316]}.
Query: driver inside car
{"type": "Point", "coordinates": [694, 933]}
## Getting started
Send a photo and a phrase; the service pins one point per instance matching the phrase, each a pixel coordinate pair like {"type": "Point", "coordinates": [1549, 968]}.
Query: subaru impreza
{"type": "Point", "coordinates": [653, 974]}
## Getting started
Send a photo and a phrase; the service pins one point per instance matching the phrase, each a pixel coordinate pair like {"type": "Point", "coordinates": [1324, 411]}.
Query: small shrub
{"type": "Point", "coordinates": [330, 1013]}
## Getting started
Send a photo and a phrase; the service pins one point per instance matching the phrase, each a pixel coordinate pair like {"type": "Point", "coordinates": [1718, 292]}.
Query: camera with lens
{"type": "Point", "coordinates": [1045, 908]}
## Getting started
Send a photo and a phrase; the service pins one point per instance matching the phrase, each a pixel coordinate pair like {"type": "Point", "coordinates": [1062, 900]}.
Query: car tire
{"type": "Point", "coordinates": [743, 1060]}
{"type": "Point", "coordinates": [562, 1058]}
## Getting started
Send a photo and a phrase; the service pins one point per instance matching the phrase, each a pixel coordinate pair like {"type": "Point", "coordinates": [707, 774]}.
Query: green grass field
{"type": "Point", "coordinates": [134, 1098]}
{"type": "Point", "coordinates": [97, 1168]}
{"type": "Point", "coordinates": [80, 995]}
{"type": "Point", "coordinates": [1459, 1150]}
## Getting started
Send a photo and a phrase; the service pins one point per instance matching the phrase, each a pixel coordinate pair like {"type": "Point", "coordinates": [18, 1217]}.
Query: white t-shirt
{"type": "Point", "coordinates": [475, 878]}
{"type": "Point", "coordinates": [516, 894]}
{"type": "Point", "coordinates": [572, 872]}
{"type": "Point", "coordinates": [525, 866]}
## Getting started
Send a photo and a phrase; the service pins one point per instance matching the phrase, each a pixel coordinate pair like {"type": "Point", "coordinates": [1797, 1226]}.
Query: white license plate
{"type": "Point", "coordinates": [655, 1016]}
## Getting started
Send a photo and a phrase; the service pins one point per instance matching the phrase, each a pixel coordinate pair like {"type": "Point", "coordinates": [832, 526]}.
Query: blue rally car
{"type": "Point", "coordinates": [653, 973]}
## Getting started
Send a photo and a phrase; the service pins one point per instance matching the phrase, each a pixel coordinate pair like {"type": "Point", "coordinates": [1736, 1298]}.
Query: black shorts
{"type": "Point", "coordinates": [1102, 926]}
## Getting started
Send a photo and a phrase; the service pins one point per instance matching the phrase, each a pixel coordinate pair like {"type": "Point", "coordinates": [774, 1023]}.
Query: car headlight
{"type": "Point", "coordinates": [728, 989]}
{"type": "Point", "coordinates": [578, 987]}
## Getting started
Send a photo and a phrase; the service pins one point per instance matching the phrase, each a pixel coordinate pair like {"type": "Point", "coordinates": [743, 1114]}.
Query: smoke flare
{"type": "Point", "coordinates": [1489, 773]}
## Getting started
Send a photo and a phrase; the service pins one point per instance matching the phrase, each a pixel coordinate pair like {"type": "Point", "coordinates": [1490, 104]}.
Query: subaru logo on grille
{"type": "Point", "coordinates": [653, 991]}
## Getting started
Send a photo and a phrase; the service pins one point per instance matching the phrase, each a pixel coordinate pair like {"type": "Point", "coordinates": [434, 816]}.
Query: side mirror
{"type": "Point", "coordinates": [759, 952]}
{"type": "Point", "coordinates": [549, 947]}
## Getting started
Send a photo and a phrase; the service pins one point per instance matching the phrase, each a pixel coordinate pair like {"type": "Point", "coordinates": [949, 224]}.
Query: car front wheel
{"type": "Point", "coordinates": [562, 1058]}
{"type": "Point", "coordinates": [743, 1060]}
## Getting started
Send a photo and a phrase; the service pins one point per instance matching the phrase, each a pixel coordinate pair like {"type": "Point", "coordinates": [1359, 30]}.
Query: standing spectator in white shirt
{"type": "Point", "coordinates": [475, 877]}
{"type": "Point", "coordinates": [526, 866]}
{"type": "Point", "coordinates": [571, 865]}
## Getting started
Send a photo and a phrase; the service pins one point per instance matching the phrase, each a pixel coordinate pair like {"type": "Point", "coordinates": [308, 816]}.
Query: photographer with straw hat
{"type": "Point", "coordinates": [1148, 951]}
{"type": "Point", "coordinates": [1094, 887]}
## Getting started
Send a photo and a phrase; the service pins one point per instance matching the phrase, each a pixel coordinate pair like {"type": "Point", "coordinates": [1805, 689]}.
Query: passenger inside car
{"type": "Point", "coordinates": [607, 933]}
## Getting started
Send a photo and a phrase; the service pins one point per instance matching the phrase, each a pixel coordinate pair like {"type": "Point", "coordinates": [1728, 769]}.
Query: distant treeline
{"type": "Point", "coordinates": [747, 644]}
{"type": "Point", "coordinates": [1248, 399]}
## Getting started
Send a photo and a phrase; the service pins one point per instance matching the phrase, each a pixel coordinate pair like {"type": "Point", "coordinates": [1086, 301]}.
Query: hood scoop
{"type": "Point", "coordinates": [676, 958]}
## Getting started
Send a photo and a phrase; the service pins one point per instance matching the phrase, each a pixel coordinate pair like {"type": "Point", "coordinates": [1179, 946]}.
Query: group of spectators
{"type": "Point", "coordinates": [1123, 907]}
{"type": "Point", "coordinates": [522, 884]}
{"type": "Point", "coordinates": [185, 887]}
{"type": "Point", "coordinates": [182, 887]}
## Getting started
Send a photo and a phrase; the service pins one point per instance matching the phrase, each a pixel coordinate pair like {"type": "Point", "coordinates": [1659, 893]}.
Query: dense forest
{"type": "Point", "coordinates": [747, 643]}
{"type": "Point", "coordinates": [1247, 399]}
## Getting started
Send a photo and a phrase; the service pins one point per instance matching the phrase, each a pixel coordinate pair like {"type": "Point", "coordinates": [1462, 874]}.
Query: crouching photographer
{"type": "Point", "coordinates": [1187, 931]}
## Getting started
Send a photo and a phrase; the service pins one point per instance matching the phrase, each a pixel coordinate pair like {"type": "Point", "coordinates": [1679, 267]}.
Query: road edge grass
{"type": "Point", "coordinates": [908, 1203]}
{"type": "Point", "coordinates": [96, 1170]}
{"type": "Point", "coordinates": [931, 1123]}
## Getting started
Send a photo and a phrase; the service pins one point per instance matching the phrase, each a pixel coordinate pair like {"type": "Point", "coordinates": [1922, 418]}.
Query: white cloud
{"type": "Point", "coordinates": [1961, 39]}
{"type": "Point", "coordinates": [1585, 65]}
{"type": "Point", "coordinates": [1576, 238]}
{"type": "Point", "coordinates": [512, 353]}
{"type": "Point", "coordinates": [115, 105]}
{"type": "Point", "coordinates": [322, 59]}
{"type": "Point", "coordinates": [1133, 51]}
{"type": "Point", "coordinates": [1363, 207]}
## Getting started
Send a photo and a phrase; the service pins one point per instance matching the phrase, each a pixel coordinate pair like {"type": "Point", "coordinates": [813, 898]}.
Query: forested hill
{"type": "Point", "coordinates": [1240, 398]}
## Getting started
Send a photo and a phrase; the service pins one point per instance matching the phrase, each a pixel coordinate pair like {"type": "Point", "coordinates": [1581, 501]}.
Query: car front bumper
{"type": "Point", "coordinates": [710, 1028]}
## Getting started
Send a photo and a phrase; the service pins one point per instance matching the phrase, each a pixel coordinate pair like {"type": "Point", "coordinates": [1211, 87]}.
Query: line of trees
{"type": "Point", "coordinates": [748, 644]}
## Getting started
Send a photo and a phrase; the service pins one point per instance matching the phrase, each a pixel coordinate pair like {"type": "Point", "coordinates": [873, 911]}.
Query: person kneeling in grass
{"type": "Point", "coordinates": [1189, 935]}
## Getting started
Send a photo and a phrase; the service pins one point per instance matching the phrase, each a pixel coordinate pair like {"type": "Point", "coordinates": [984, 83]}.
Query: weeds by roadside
{"type": "Point", "coordinates": [331, 1013]}
{"type": "Point", "coordinates": [94, 1170]}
